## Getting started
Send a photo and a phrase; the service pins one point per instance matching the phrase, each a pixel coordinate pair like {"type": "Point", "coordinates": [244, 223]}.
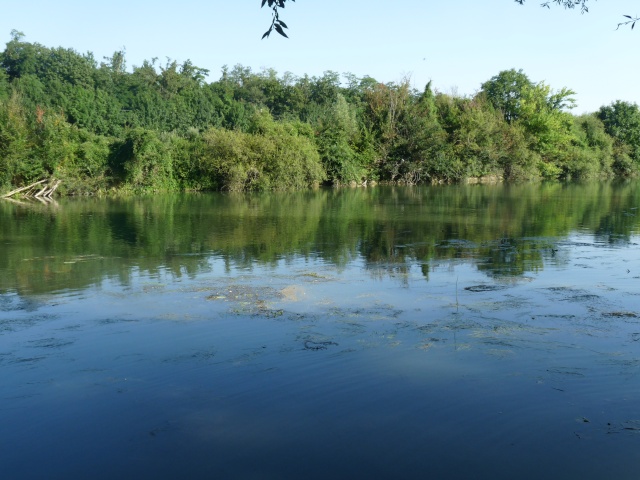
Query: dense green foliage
{"type": "Point", "coordinates": [100, 127]}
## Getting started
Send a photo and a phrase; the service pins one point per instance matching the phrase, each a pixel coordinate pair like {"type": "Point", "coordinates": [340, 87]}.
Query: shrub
{"type": "Point", "coordinates": [277, 156]}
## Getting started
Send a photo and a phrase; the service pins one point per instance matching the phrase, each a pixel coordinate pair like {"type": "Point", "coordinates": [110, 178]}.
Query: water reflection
{"type": "Point", "coordinates": [502, 230]}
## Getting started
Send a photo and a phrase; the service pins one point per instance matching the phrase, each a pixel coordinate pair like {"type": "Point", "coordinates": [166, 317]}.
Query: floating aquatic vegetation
{"type": "Point", "coordinates": [500, 352]}
{"type": "Point", "coordinates": [620, 314]}
{"type": "Point", "coordinates": [566, 371]}
{"type": "Point", "coordinates": [314, 276]}
{"type": "Point", "coordinates": [485, 288]}
{"type": "Point", "coordinates": [292, 293]}
{"type": "Point", "coordinates": [582, 297]}
{"type": "Point", "coordinates": [318, 345]}
{"type": "Point", "coordinates": [197, 355]}
{"type": "Point", "coordinates": [627, 426]}
{"type": "Point", "coordinates": [272, 313]}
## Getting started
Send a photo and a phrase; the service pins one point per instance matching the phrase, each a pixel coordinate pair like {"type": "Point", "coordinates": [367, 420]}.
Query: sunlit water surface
{"type": "Point", "coordinates": [443, 332]}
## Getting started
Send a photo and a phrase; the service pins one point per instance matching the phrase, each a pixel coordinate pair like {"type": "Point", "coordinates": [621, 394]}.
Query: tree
{"type": "Point", "coordinates": [278, 25]}
{"type": "Point", "coordinates": [510, 92]}
{"type": "Point", "coordinates": [337, 135]}
{"type": "Point", "coordinates": [504, 91]}
{"type": "Point", "coordinates": [4, 85]}
{"type": "Point", "coordinates": [622, 121]}
{"type": "Point", "coordinates": [540, 111]}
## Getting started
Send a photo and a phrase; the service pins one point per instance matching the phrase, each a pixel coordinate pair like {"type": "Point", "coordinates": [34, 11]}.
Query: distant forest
{"type": "Point", "coordinates": [100, 128]}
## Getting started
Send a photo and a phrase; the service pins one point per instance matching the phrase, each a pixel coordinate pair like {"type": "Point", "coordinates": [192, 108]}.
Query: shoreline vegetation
{"type": "Point", "coordinates": [99, 128]}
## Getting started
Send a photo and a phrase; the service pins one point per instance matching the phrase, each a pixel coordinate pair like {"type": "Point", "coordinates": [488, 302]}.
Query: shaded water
{"type": "Point", "coordinates": [442, 332]}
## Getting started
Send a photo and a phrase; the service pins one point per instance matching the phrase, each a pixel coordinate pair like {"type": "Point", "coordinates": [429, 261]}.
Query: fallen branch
{"type": "Point", "coordinates": [46, 191]}
{"type": "Point", "coordinates": [41, 191]}
{"type": "Point", "coordinates": [49, 192]}
{"type": "Point", "coordinates": [22, 189]}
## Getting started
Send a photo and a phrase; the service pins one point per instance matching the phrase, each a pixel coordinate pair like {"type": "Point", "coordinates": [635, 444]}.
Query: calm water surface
{"type": "Point", "coordinates": [444, 332]}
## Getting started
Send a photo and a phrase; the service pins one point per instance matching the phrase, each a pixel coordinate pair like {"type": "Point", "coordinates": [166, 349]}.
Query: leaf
{"type": "Point", "coordinates": [266, 34]}
{"type": "Point", "coordinates": [282, 23]}
{"type": "Point", "coordinates": [628, 16]}
{"type": "Point", "coordinates": [280, 31]}
{"type": "Point", "coordinates": [263, 2]}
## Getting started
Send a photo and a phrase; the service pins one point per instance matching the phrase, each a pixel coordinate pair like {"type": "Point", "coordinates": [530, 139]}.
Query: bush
{"type": "Point", "coordinates": [150, 164]}
{"type": "Point", "coordinates": [278, 156]}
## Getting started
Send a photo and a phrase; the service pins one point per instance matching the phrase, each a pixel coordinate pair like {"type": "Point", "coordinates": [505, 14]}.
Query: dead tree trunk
{"type": "Point", "coordinates": [51, 184]}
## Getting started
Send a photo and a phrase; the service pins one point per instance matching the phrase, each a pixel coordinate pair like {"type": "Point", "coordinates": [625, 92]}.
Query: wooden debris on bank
{"type": "Point", "coordinates": [40, 189]}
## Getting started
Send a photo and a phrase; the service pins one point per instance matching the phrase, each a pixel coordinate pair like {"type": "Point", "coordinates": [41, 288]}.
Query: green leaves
{"type": "Point", "coordinates": [622, 122]}
{"type": "Point", "coordinates": [288, 132]}
{"type": "Point", "coordinates": [504, 91]}
{"type": "Point", "coordinates": [274, 156]}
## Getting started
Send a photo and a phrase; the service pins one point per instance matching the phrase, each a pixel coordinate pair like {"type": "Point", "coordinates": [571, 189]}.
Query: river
{"type": "Point", "coordinates": [481, 331]}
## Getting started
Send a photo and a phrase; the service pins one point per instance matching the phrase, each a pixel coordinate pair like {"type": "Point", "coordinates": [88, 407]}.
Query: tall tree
{"type": "Point", "coordinates": [622, 121]}
{"type": "Point", "coordinates": [505, 90]}
{"type": "Point", "coordinates": [511, 92]}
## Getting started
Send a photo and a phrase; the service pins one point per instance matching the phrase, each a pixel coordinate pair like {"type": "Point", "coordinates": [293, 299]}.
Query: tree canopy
{"type": "Point", "coordinates": [99, 126]}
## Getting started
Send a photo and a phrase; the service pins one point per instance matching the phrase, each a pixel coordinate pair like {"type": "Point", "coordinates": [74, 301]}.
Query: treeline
{"type": "Point", "coordinates": [98, 126]}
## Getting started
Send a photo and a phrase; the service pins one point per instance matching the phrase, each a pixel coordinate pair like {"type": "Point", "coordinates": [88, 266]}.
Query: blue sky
{"type": "Point", "coordinates": [456, 44]}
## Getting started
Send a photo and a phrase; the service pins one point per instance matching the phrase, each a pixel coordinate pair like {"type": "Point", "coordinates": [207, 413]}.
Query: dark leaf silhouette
{"type": "Point", "coordinates": [570, 4]}
{"type": "Point", "coordinates": [276, 23]}
{"type": "Point", "coordinates": [280, 30]}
